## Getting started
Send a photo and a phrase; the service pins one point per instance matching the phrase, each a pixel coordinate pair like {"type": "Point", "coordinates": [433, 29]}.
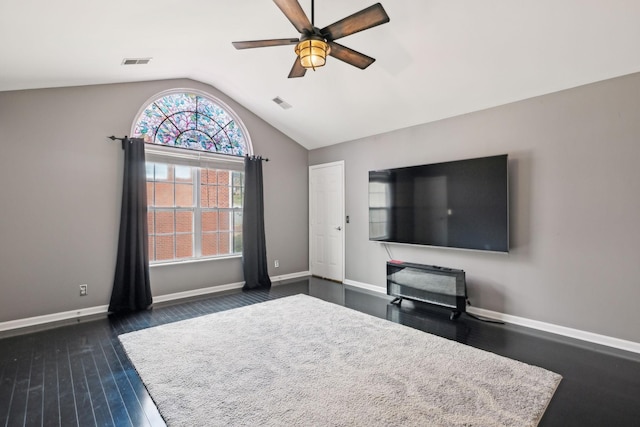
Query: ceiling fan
{"type": "Point", "coordinates": [315, 44]}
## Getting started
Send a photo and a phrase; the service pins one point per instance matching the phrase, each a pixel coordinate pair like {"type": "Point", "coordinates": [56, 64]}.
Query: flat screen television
{"type": "Point", "coordinates": [460, 204]}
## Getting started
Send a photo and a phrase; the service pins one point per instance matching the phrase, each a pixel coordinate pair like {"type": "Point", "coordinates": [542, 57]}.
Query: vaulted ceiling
{"type": "Point", "coordinates": [434, 59]}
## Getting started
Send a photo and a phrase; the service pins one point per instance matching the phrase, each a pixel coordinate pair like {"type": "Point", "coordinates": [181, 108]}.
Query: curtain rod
{"type": "Point", "coordinates": [113, 138]}
{"type": "Point", "coordinates": [266, 159]}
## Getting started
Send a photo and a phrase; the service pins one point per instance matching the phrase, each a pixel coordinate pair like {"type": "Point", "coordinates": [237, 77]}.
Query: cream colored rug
{"type": "Point", "coordinates": [301, 361]}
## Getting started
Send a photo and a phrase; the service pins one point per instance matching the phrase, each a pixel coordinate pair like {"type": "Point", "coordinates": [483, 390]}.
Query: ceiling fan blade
{"type": "Point", "coordinates": [350, 56]}
{"type": "Point", "coordinates": [293, 11]}
{"type": "Point", "coordinates": [365, 19]}
{"type": "Point", "coordinates": [297, 70]}
{"type": "Point", "coordinates": [263, 43]}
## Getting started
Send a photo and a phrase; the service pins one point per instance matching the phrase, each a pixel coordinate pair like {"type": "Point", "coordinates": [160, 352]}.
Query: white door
{"type": "Point", "coordinates": [326, 220]}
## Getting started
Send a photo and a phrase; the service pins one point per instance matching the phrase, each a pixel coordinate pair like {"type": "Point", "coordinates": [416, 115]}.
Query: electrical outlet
{"type": "Point", "coordinates": [276, 263]}
{"type": "Point", "coordinates": [83, 290]}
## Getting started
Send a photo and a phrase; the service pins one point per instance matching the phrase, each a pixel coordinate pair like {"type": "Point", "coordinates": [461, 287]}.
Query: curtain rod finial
{"type": "Point", "coordinates": [113, 138]}
{"type": "Point", "coordinates": [255, 157]}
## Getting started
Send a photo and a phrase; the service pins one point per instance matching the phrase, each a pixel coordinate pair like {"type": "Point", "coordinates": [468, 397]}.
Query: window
{"type": "Point", "coordinates": [193, 121]}
{"type": "Point", "coordinates": [193, 212]}
{"type": "Point", "coordinates": [195, 178]}
{"type": "Point", "coordinates": [379, 209]}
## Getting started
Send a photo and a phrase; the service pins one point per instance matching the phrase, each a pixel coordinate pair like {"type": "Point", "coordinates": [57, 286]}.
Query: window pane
{"type": "Point", "coordinates": [204, 196]}
{"type": "Point", "coordinates": [209, 244]}
{"type": "Point", "coordinates": [237, 220]}
{"type": "Point", "coordinates": [164, 194]}
{"type": "Point", "coordinates": [167, 134]}
{"type": "Point", "coordinates": [223, 197]}
{"type": "Point", "coordinates": [184, 245]}
{"type": "Point", "coordinates": [164, 222]}
{"type": "Point", "coordinates": [224, 243]}
{"type": "Point", "coordinates": [149, 169]}
{"type": "Point", "coordinates": [212, 192]}
{"type": "Point", "coordinates": [184, 195]}
{"type": "Point", "coordinates": [148, 122]}
{"type": "Point", "coordinates": [152, 252]}
{"type": "Point", "coordinates": [238, 180]}
{"type": "Point", "coordinates": [176, 102]}
{"type": "Point", "coordinates": [150, 221]}
{"type": "Point", "coordinates": [223, 177]}
{"type": "Point", "coordinates": [237, 242]}
{"type": "Point", "coordinates": [183, 173]}
{"type": "Point", "coordinates": [237, 197]}
{"type": "Point", "coordinates": [150, 193]}
{"type": "Point", "coordinates": [164, 247]}
{"type": "Point", "coordinates": [161, 172]}
{"type": "Point", "coordinates": [185, 120]}
{"type": "Point", "coordinates": [212, 177]}
{"type": "Point", "coordinates": [184, 222]}
{"type": "Point", "coordinates": [209, 221]}
{"type": "Point", "coordinates": [225, 220]}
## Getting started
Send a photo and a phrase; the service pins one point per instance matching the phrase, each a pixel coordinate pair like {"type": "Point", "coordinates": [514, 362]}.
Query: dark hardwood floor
{"type": "Point", "coordinates": [79, 374]}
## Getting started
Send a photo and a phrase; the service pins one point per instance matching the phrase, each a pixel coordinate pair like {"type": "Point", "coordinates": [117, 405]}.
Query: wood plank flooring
{"type": "Point", "coordinates": [79, 375]}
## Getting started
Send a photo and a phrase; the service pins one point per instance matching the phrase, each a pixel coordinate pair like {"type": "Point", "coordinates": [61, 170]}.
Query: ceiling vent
{"type": "Point", "coordinates": [282, 103]}
{"type": "Point", "coordinates": [136, 61]}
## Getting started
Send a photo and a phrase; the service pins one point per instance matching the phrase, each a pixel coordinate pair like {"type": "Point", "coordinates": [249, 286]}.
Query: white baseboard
{"type": "Point", "coordinates": [102, 309]}
{"type": "Point", "coordinates": [290, 276]}
{"type": "Point", "coordinates": [366, 286]}
{"type": "Point", "coordinates": [558, 330]}
{"type": "Point", "coordinates": [51, 318]}
{"type": "Point", "coordinates": [591, 337]}
{"type": "Point", "coordinates": [223, 288]}
{"type": "Point", "coordinates": [516, 320]}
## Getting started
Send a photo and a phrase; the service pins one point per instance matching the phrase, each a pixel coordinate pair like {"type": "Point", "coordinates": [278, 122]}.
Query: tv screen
{"type": "Point", "coordinates": [460, 204]}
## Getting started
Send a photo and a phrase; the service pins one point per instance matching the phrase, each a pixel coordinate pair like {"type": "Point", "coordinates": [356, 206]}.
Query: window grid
{"type": "Point", "coordinates": [379, 210]}
{"type": "Point", "coordinates": [191, 120]}
{"type": "Point", "coordinates": [221, 236]}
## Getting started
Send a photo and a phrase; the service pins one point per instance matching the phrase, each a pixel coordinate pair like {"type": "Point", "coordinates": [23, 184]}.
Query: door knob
{"type": "Point", "coordinates": [338, 228]}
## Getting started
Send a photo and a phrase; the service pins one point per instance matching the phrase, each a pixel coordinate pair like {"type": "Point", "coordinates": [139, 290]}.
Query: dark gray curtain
{"type": "Point", "coordinates": [254, 248]}
{"type": "Point", "coordinates": [131, 289]}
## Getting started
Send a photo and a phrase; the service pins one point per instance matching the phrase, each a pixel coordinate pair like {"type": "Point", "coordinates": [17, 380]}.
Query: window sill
{"type": "Point", "coordinates": [193, 261]}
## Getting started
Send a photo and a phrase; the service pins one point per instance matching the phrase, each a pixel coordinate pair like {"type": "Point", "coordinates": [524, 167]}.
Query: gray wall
{"type": "Point", "coordinates": [574, 200]}
{"type": "Point", "coordinates": [61, 188]}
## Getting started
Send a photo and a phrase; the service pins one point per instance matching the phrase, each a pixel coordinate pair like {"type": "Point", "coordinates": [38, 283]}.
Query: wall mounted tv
{"type": "Point", "coordinates": [460, 204]}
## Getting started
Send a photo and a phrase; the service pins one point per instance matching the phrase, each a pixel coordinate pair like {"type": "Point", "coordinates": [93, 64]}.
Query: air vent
{"type": "Point", "coordinates": [282, 103]}
{"type": "Point", "coordinates": [135, 61]}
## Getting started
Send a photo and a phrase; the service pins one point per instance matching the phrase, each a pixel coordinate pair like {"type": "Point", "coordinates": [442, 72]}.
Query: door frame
{"type": "Point", "coordinates": [342, 213]}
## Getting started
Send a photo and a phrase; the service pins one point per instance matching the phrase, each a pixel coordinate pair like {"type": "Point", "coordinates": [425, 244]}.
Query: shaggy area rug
{"type": "Point", "coordinates": [303, 361]}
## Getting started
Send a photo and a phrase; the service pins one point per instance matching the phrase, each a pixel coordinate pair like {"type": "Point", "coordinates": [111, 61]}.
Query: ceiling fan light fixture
{"type": "Point", "coordinates": [315, 44]}
{"type": "Point", "coordinates": [312, 52]}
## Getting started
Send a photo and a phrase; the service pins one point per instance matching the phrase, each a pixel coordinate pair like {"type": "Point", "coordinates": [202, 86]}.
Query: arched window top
{"type": "Point", "coordinates": [193, 120]}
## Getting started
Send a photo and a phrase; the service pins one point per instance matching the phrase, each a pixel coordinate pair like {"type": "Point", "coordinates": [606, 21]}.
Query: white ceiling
{"type": "Point", "coordinates": [435, 58]}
